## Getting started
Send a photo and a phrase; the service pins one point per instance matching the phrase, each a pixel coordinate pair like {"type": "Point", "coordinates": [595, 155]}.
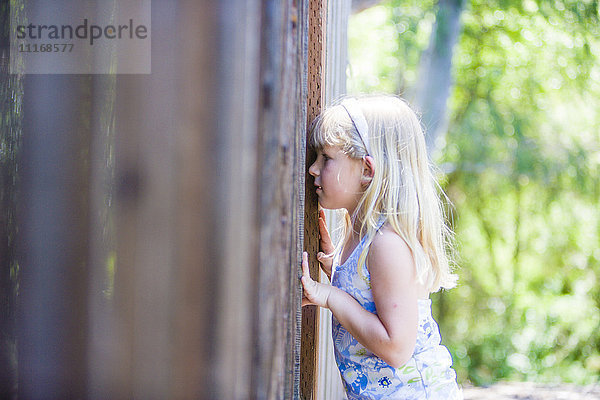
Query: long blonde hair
{"type": "Point", "coordinates": [403, 191]}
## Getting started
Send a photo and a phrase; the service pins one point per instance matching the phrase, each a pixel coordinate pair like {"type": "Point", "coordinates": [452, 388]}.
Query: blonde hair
{"type": "Point", "coordinates": [403, 191]}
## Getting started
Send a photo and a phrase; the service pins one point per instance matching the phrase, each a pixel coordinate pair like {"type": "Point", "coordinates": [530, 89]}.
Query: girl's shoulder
{"type": "Point", "coordinates": [390, 259]}
{"type": "Point", "coordinates": [388, 246]}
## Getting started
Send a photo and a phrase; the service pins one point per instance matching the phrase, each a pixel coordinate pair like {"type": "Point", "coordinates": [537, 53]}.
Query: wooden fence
{"type": "Point", "coordinates": [161, 217]}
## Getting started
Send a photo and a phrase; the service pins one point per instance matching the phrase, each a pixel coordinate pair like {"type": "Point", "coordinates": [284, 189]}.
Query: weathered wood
{"type": "Point", "coordinates": [199, 186]}
{"type": "Point", "coordinates": [233, 152]}
{"type": "Point", "coordinates": [298, 105]}
{"type": "Point", "coordinates": [146, 303]}
{"type": "Point", "coordinates": [329, 382]}
{"type": "Point", "coordinates": [208, 197]}
{"type": "Point", "coordinates": [102, 233]}
{"type": "Point", "coordinates": [237, 232]}
{"type": "Point", "coordinates": [53, 240]}
{"type": "Point", "coordinates": [302, 22]}
{"type": "Point", "coordinates": [278, 193]}
{"type": "Point", "coordinates": [316, 75]}
{"type": "Point", "coordinates": [53, 231]}
{"type": "Point", "coordinates": [11, 95]}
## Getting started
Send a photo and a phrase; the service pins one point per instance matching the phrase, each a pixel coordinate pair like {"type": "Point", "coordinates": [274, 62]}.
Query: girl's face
{"type": "Point", "coordinates": [337, 179]}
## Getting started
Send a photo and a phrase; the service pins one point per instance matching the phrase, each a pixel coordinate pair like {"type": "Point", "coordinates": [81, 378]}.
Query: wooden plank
{"type": "Point", "coordinates": [233, 160]}
{"type": "Point", "coordinates": [199, 261]}
{"type": "Point", "coordinates": [279, 202]}
{"type": "Point", "coordinates": [302, 8]}
{"type": "Point", "coordinates": [236, 234]}
{"type": "Point", "coordinates": [11, 96]}
{"type": "Point", "coordinates": [316, 63]}
{"type": "Point", "coordinates": [102, 235]}
{"type": "Point", "coordinates": [210, 153]}
{"type": "Point", "coordinates": [329, 382]}
{"type": "Point", "coordinates": [53, 222]}
{"type": "Point", "coordinates": [270, 277]}
{"type": "Point", "coordinates": [147, 306]}
{"type": "Point", "coordinates": [53, 238]}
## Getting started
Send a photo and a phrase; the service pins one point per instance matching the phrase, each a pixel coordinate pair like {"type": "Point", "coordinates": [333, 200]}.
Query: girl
{"type": "Point", "coordinates": [372, 162]}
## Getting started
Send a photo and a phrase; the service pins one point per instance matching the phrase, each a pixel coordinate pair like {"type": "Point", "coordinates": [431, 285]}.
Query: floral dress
{"type": "Point", "coordinates": [427, 375]}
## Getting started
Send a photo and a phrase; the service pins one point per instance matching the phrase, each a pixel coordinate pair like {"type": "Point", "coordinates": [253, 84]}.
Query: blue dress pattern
{"type": "Point", "coordinates": [427, 375]}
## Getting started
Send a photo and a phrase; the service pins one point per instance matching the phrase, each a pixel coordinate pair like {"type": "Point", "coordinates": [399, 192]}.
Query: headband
{"type": "Point", "coordinates": [358, 120]}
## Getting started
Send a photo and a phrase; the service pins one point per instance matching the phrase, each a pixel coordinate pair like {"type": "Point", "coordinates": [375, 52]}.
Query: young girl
{"type": "Point", "coordinates": [372, 162]}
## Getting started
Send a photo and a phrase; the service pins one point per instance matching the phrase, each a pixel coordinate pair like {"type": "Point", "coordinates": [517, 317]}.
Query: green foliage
{"type": "Point", "coordinates": [522, 158]}
{"type": "Point", "coordinates": [379, 61]}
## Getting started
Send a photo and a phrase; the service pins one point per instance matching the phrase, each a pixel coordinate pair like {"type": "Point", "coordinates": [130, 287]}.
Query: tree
{"type": "Point", "coordinates": [361, 5]}
{"type": "Point", "coordinates": [434, 77]}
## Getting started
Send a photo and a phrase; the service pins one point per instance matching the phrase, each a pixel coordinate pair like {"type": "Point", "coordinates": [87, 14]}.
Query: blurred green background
{"type": "Point", "coordinates": [520, 161]}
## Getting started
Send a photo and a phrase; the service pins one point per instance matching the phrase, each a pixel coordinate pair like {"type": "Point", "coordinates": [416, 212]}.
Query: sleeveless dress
{"type": "Point", "coordinates": [427, 375]}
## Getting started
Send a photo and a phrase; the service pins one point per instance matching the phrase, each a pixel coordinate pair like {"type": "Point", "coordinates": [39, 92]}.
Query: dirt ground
{"type": "Point", "coordinates": [532, 391]}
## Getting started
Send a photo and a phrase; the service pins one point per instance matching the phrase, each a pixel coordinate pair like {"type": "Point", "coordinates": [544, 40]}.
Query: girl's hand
{"type": "Point", "coordinates": [325, 256]}
{"type": "Point", "coordinates": [315, 293]}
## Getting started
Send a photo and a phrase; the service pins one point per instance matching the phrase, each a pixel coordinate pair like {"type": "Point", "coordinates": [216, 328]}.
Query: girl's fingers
{"type": "Point", "coordinates": [312, 291]}
{"type": "Point", "coordinates": [323, 227]}
{"type": "Point", "coordinates": [304, 262]}
{"type": "Point", "coordinates": [307, 282]}
{"type": "Point", "coordinates": [323, 256]}
{"type": "Point", "coordinates": [326, 243]}
{"type": "Point", "coordinates": [305, 270]}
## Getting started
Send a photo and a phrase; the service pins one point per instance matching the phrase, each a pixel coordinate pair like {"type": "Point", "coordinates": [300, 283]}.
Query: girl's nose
{"type": "Point", "coordinates": [313, 170]}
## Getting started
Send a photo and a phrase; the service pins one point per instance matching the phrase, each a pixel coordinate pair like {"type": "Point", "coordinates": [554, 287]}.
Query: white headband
{"type": "Point", "coordinates": [358, 120]}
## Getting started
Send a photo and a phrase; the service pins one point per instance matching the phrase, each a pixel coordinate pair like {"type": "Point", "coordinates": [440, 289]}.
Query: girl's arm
{"type": "Point", "coordinates": [391, 334]}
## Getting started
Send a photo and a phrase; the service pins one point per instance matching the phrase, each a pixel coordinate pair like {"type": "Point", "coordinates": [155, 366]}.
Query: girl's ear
{"type": "Point", "coordinates": [368, 170]}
